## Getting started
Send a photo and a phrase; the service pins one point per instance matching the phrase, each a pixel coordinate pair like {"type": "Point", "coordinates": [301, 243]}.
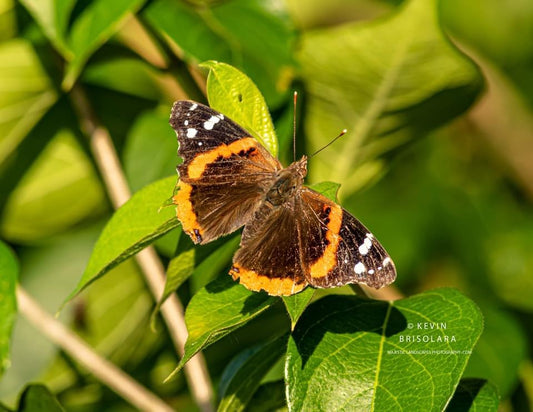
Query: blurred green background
{"type": "Point", "coordinates": [437, 162]}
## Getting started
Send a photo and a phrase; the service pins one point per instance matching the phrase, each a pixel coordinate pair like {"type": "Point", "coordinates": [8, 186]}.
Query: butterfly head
{"type": "Point", "coordinates": [287, 182]}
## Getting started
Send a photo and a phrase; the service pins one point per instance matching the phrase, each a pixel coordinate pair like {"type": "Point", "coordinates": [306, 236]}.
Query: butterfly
{"type": "Point", "coordinates": [293, 236]}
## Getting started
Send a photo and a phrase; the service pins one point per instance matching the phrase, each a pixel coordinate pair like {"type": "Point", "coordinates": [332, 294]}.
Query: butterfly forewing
{"type": "Point", "coordinates": [224, 173]}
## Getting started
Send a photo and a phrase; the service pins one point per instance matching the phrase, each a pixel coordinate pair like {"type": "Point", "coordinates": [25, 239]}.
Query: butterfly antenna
{"type": "Point", "coordinates": [295, 98]}
{"type": "Point", "coordinates": [323, 147]}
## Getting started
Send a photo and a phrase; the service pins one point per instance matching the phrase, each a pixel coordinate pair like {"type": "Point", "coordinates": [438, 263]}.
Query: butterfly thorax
{"type": "Point", "coordinates": [287, 182]}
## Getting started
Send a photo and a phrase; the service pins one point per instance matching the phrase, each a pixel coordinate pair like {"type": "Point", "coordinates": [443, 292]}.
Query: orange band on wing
{"type": "Point", "coordinates": [328, 260]}
{"type": "Point", "coordinates": [198, 165]}
{"type": "Point", "coordinates": [273, 286]}
{"type": "Point", "coordinates": [185, 213]}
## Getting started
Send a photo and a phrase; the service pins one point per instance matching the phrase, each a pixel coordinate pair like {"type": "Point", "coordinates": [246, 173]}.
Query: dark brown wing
{"type": "Point", "coordinates": [224, 173]}
{"type": "Point", "coordinates": [269, 256]}
{"type": "Point", "coordinates": [337, 249]}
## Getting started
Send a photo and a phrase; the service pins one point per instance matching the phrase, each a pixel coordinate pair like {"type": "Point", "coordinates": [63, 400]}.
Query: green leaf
{"type": "Point", "coordinates": [213, 264]}
{"type": "Point", "coordinates": [474, 395]}
{"type": "Point", "coordinates": [375, 355]}
{"type": "Point", "coordinates": [151, 149]}
{"type": "Point", "coordinates": [132, 227]}
{"type": "Point", "coordinates": [53, 18]}
{"type": "Point", "coordinates": [297, 303]}
{"type": "Point", "coordinates": [218, 309]}
{"type": "Point", "coordinates": [268, 398]}
{"type": "Point", "coordinates": [9, 270]}
{"type": "Point", "coordinates": [178, 271]}
{"type": "Point", "coordinates": [97, 23]}
{"type": "Point", "coordinates": [328, 189]}
{"type": "Point", "coordinates": [385, 83]}
{"type": "Point", "coordinates": [38, 398]}
{"type": "Point", "coordinates": [60, 174]}
{"type": "Point", "coordinates": [243, 375]}
{"type": "Point", "coordinates": [253, 35]}
{"type": "Point", "coordinates": [233, 93]}
{"type": "Point", "coordinates": [27, 93]}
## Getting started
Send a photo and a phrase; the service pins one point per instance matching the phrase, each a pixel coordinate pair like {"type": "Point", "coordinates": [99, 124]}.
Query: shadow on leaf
{"type": "Point", "coordinates": [345, 315]}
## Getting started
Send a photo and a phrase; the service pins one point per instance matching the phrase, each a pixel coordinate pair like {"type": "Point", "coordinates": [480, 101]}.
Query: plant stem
{"type": "Point", "coordinates": [102, 369]}
{"type": "Point", "coordinates": [153, 270]}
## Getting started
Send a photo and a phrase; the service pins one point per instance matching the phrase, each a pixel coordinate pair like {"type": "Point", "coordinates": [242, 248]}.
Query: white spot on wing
{"type": "Point", "coordinates": [365, 247]}
{"type": "Point", "coordinates": [209, 124]}
{"type": "Point", "coordinates": [387, 261]}
{"type": "Point", "coordinates": [359, 268]}
{"type": "Point", "coordinates": [194, 106]}
{"type": "Point", "coordinates": [191, 133]}
{"type": "Point", "coordinates": [371, 272]}
{"type": "Point", "coordinates": [186, 123]}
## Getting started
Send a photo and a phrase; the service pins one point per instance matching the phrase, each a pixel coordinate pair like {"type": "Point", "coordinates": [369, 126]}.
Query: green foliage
{"type": "Point", "coordinates": [8, 305]}
{"type": "Point", "coordinates": [233, 93]}
{"type": "Point", "coordinates": [371, 355]}
{"type": "Point", "coordinates": [136, 224]}
{"type": "Point", "coordinates": [394, 84]}
{"type": "Point", "coordinates": [436, 195]}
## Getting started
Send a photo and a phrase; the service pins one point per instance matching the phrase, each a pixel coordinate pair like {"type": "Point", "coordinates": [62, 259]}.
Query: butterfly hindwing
{"type": "Point", "coordinates": [269, 256]}
{"type": "Point", "coordinates": [224, 173]}
{"type": "Point", "coordinates": [337, 248]}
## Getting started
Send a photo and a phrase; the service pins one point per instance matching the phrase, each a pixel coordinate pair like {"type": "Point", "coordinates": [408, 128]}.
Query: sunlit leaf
{"type": "Point", "coordinates": [134, 226]}
{"type": "Point", "coordinates": [26, 95]}
{"type": "Point", "coordinates": [409, 353]}
{"type": "Point", "coordinates": [61, 178]}
{"type": "Point", "coordinates": [233, 93]}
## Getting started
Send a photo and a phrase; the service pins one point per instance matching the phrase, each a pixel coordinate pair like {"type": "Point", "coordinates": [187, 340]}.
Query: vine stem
{"type": "Point", "coordinates": [102, 369]}
{"type": "Point", "coordinates": [113, 175]}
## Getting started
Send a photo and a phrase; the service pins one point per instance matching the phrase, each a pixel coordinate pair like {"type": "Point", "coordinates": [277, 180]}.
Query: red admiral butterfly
{"type": "Point", "coordinates": [293, 236]}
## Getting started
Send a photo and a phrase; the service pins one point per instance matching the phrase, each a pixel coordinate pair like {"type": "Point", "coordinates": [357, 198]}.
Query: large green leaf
{"type": "Point", "coordinates": [97, 23]}
{"type": "Point", "coordinates": [8, 305]}
{"type": "Point", "coordinates": [244, 373]}
{"type": "Point", "coordinates": [386, 83]}
{"type": "Point", "coordinates": [218, 309]}
{"type": "Point", "coordinates": [134, 226]}
{"type": "Point", "coordinates": [249, 34]}
{"type": "Point", "coordinates": [348, 353]}
{"type": "Point", "coordinates": [474, 395]}
{"type": "Point", "coordinates": [53, 17]}
{"type": "Point", "coordinates": [233, 93]}
{"type": "Point", "coordinates": [27, 93]}
{"type": "Point", "coordinates": [61, 178]}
